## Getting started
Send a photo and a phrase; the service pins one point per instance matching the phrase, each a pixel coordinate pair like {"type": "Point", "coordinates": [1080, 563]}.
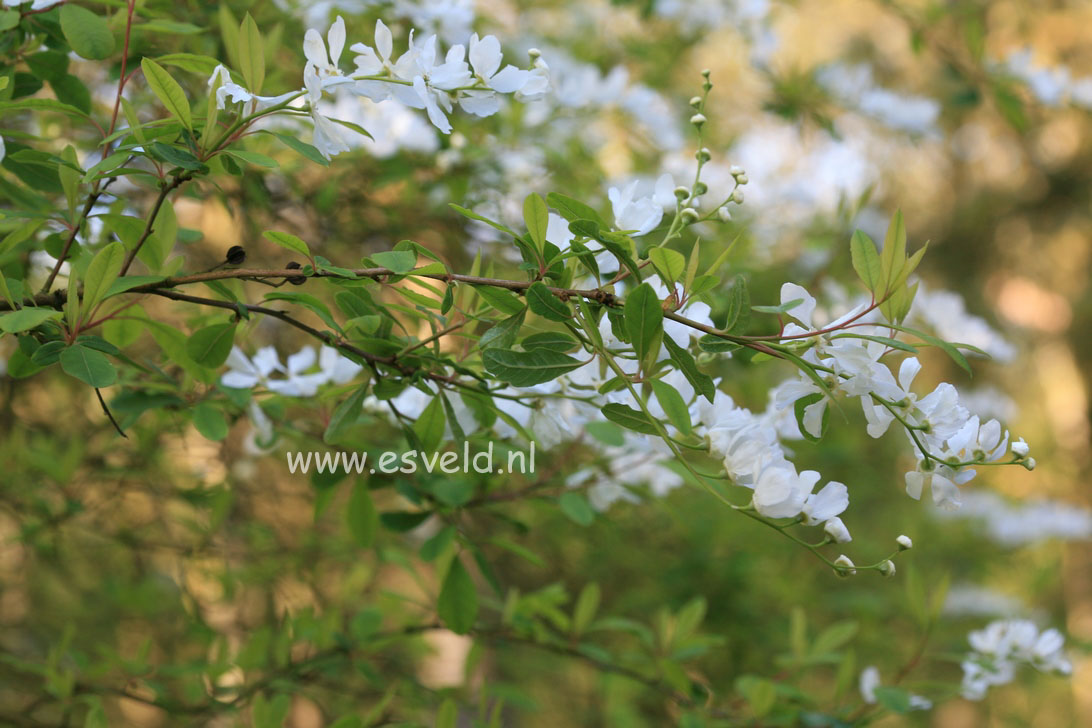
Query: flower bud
{"type": "Point", "coordinates": [837, 530]}
{"type": "Point", "coordinates": [742, 179]}
{"type": "Point", "coordinates": [887, 568]}
{"type": "Point", "coordinates": [724, 214]}
{"type": "Point", "coordinates": [703, 155]}
{"type": "Point", "coordinates": [904, 542]}
{"type": "Point", "coordinates": [695, 101]}
{"type": "Point", "coordinates": [735, 170]}
{"type": "Point", "coordinates": [296, 280]}
{"type": "Point", "coordinates": [1020, 448]}
{"type": "Point", "coordinates": [689, 215]}
{"type": "Point", "coordinates": [700, 188]}
{"type": "Point", "coordinates": [705, 73]}
{"type": "Point", "coordinates": [698, 120]}
{"type": "Point", "coordinates": [844, 566]}
{"type": "Point", "coordinates": [534, 54]}
{"type": "Point", "coordinates": [737, 196]}
{"type": "Point", "coordinates": [236, 255]}
{"type": "Point", "coordinates": [1030, 463]}
{"type": "Point", "coordinates": [706, 357]}
{"type": "Point", "coordinates": [682, 194]}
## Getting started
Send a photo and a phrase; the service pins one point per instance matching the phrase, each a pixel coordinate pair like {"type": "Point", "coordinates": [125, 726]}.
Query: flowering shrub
{"type": "Point", "coordinates": [618, 326]}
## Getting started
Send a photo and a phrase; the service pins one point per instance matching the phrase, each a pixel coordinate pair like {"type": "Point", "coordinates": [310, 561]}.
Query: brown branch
{"type": "Point", "coordinates": [150, 225]}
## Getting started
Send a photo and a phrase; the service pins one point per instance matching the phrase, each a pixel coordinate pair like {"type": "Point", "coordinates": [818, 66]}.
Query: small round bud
{"type": "Point", "coordinates": [705, 72]}
{"type": "Point", "coordinates": [703, 155]}
{"type": "Point", "coordinates": [682, 194]}
{"type": "Point", "coordinates": [844, 566]}
{"type": "Point", "coordinates": [534, 53]}
{"type": "Point", "coordinates": [737, 196]}
{"type": "Point", "coordinates": [904, 542]}
{"type": "Point", "coordinates": [700, 188]}
{"type": "Point", "coordinates": [236, 255]}
{"type": "Point", "coordinates": [296, 280]}
{"type": "Point", "coordinates": [887, 568]}
{"type": "Point", "coordinates": [706, 357]}
{"type": "Point", "coordinates": [724, 214]}
{"type": "Point", "coordinates": [1020, 448]}
{"type": "Point", "coordinates": [735, 170]}
{"type": "Point", "coordinates": [695, 101]}
{"type": "Point", "coordinates": [689, 215]}
{"type": "Point", "coordinates": [698, 120]}
{"type": "Point", "coordinates": [742, 179]}
{"type": "Point", "coordinates": [1030, 463]}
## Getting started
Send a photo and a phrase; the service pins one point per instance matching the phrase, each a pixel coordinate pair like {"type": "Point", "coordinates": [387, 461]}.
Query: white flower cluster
{"type": "Point", "coordinates": [853, 84]}
{"type": "Point", "coordinates": [1012, 524]}
{"type": "Point", "coordinates": [420, 78]}
{"type": "Point", "coordinates": [1005, 644]}
{"type": "Point", "coordinates": [1051, 85]}
{"type": "Point", "coordinates": [946, 437]}
{"type": "Point", "coordinates": [300, 378]}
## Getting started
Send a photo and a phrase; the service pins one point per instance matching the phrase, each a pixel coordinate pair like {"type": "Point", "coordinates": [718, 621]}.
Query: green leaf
{"type": "Point", "coordinates": [587, 604]}
{"type": "Point", "coordinates": [89, 366]}
{"type": "Point", "coordinates": [554, 340]}
{"type": "Point", "coordinates": [544, 303]}
{"type": "Point", "coordinates": [201, 65]}
{"type": "Point", "coordinates": [577, 508]}
{"type": "Point", "coordinates": [447, 715]}
{"type": "Point", "coordinates": [398, 261]}
{"type": "Point", "coordinates": [536, 217]}
{"type": "Point", "coordinates": [429, 426]}
{"type": "Point", "coordinates": [102, 272]}
{"type": "Point", "coordinates": [503, 333]}
{"type": "Point", "coordinates": [866, 261]}
{"type": "Point", "coordinates": [289, 241]}
{"type": "Point", "coordinates": [175, 155]}
{"type": "Point", "coordinates": [457, 606]}
{"type": "Point", "coordinates": [673, 405]}
{"type": "Point", "coordinates": [88, 33]}
{"type": "Point", "coordinates": [211, 345]}
{"type": "Point", "coordinates": [210, 422]}
{"type": "Point", "coordinates": [573, 210]}
{"type": "Point", "coordinates": [701, 382]}
{"type": "Point", "coordinates": [739, 306]}
{"type": "Point", "coordinates": [886, 341]}
{"type": "Point", "coordinates": [302, 148]}
{"type": "Point", "coordinates": [26, 318]}
{"type": "Point", "coordinates": [504, 301]}
{"type": "Point", "coordinates": [669, 263]}
{"type": "Point", "coordinates": [254, 158]}
{"type": "Point", "coordinates": [894, 699]}
{"type": "Point", "coordinates": [644, 317]}
{"type": "Point", "coordinates": [345, 415]}
{"type": "Point", "coordinates": [527, 368]}
{"type": "Point", "coordinates": [168, 91]}
{"type": "Point", "coordinates": [361, 515]}
{"type": "Point", "coordinates": [251, 55]}
{"type": "Point", "coordinates": [893, 257]}
{"type": "Point", "coordinates": [629, 418]}
{"type": "Point", "coordinates": [779, 309]}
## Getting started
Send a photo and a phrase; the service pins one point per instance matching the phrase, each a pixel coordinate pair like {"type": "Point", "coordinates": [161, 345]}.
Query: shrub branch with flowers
{"type": "Point", "coordinates": [597, 339]}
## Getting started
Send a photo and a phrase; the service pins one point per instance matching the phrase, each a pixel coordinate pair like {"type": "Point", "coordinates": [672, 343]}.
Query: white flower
{"type": "Point", "coordinates": [330, 138]}
{"type": "Point", "coordinates": [904, 542]}
{"type": "Point", "coordinates": [246, 373]}
{"type": "Point", "coordinates": [1019, 448]}
{"type": "Point", "coordinates": [868, 682]}
{"type": "Point", "coordinates": [837, 530]}
{"type": "Point", "coordinates": [485, 59]}
{"type": "Point", "coordinates": [780, 492]}
{"type": "Point", "coordinates": [829, 502]}
{"type": "Point", "coordinates": [945, 492]}
{"type": "Point", "coordinates": [315, 50]}
{"type": "Point", "coordinates": [641, 215]}
{"type": "Point", "coordinates": [298, 384]}
{"type": "Point", "coordinates": [336, 368]}
{"type": "Point", "coordinates": [228, 89]}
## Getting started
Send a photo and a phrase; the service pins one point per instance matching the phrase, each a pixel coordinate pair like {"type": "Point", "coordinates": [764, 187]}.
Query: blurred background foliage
{"type": "Point", "coordinates": [140, 577]}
